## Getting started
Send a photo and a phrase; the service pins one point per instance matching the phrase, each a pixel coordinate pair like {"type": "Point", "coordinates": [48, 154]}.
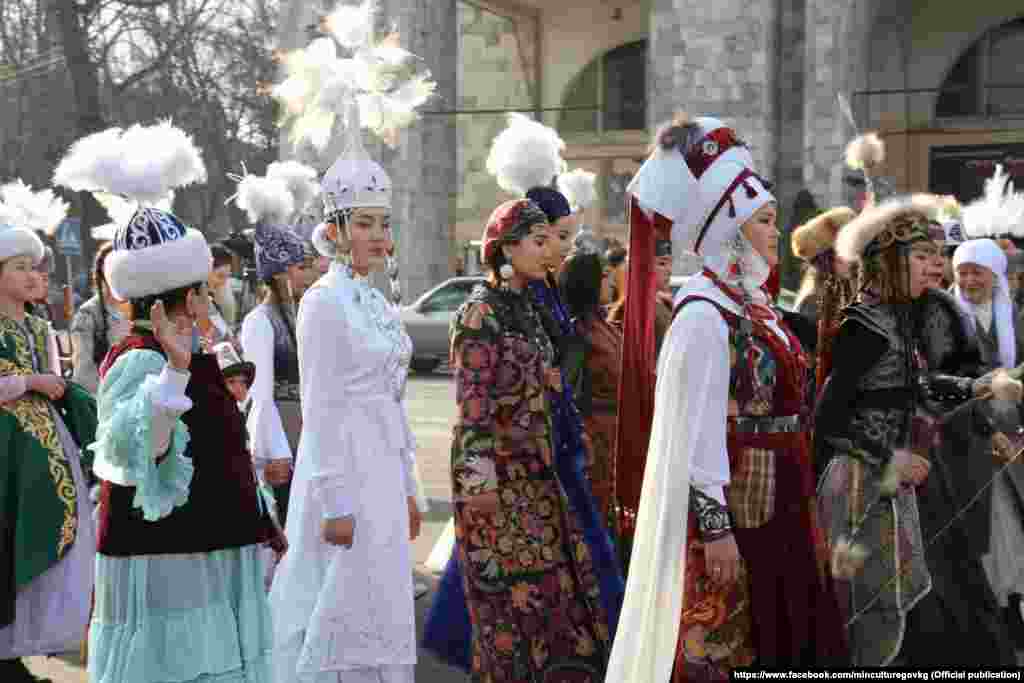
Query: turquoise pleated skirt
{"type": "Point", "coordinates": [199, 617]}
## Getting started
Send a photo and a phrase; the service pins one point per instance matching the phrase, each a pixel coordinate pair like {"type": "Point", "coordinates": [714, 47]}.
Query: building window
{"type": "Point", "coordinates": [610, 93]}
{"type": "Point", "coordinates": [988, 80]}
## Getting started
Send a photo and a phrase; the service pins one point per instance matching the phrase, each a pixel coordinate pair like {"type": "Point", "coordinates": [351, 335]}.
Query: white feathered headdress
{"type": "Point", "coordinates": [999, 211]}
{"type": "Point", "coordinates": [525, 155]}
{"type": "Point", "coordinates": [154, 252]}
{"type": "Point", "coordinates": [380, 76]}
{"type": "Point", "coordinates": [39, 211]}
{"type": "Point", "coordinates": [143, 163]}
{"type": "Point", "coordinates": [579, 187]}
{"type": "Point", "coordinates": [274, 198]}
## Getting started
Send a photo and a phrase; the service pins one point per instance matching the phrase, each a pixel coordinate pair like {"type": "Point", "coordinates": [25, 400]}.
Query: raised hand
{"type": "Point", "coordinates": [175, 337]}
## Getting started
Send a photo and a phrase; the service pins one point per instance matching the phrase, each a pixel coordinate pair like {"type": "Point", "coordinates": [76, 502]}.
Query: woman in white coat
{"type": "Point", "coordinates": [342, 598]}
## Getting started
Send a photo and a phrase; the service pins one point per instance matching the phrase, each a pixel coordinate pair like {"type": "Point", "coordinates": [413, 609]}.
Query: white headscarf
{"type": "Point", "coordinates": [988, 254]}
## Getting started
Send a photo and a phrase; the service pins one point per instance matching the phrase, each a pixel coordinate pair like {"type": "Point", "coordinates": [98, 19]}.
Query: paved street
{"type": "Point", "coordinates": [431, 409]}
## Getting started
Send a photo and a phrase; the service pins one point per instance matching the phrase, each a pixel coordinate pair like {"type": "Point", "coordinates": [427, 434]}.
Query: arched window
{"type": "Point", "coordinates": [610, 93]}
{"type": "Point", "coordinates": [988, 80]}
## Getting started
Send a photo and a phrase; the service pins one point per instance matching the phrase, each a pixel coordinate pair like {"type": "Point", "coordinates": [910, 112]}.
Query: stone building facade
{"type": "Point", "coordinates": [937, 79]}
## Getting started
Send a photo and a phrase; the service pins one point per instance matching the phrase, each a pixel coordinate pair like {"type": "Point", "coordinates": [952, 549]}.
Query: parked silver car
{"type": "Point", "coordinates": [427, 320]}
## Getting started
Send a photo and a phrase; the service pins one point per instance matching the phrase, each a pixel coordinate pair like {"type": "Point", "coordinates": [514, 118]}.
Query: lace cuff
{"type": "Point", "coordinates": [712, 517]}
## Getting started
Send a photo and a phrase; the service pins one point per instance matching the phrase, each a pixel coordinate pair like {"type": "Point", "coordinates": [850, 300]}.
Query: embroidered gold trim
{"type": "Point", "coordinates": [33, 415]}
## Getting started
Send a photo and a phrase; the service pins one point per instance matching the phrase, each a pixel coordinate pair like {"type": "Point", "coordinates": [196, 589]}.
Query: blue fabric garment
{"type": "Point", "coordinates": [448, 632]}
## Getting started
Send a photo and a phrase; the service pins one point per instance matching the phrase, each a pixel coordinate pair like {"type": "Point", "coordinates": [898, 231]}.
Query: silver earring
{"type": "Point", "coordinates": [507, 272]}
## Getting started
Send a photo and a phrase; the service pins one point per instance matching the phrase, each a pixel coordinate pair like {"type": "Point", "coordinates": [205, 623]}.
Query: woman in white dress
{"type": "Point", "coordinates": [342, 598]}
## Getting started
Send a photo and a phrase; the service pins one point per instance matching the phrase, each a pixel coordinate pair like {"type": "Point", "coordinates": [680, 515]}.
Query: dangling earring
{"type": "Point", "coordinates": [506, 273]}
{"type": "Point", "coordinates": [391, 263]}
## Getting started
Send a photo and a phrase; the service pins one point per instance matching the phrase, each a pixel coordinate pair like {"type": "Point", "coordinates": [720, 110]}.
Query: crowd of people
{"type": "Point", "coordinates": [648, 486]}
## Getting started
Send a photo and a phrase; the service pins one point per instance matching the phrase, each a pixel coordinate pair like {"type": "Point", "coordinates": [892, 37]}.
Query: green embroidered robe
{"type": "Point", "coordinates": [38, 506]}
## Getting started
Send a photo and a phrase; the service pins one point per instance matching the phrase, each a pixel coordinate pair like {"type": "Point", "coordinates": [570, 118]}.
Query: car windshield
{"type": "Point", "coordinates": [447, 299]}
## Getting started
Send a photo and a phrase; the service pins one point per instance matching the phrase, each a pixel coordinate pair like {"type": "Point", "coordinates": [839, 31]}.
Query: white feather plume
{"type": "Point", "coordinates": [41, 211]}
{"type": "Point", "coordinates": [998, 212]}
{"type": "Point", "coordinates": [320, 85]}
{"type": "Point", "coordinates": [301, 181]}
{"type": "Point", "coordinates": [143, 163]}
{"type": "Point", "coordinates": [579, 187]}
{"type": "Point", "coordinates": [525, 155]}
{"type": "Point", "coordinates": [352, 25]}
{"type": "Point", "coordinates": [264, 199]}
{"type": "Point", "coordinates": [865, 152]}
{"type": "Point", "coordinates": [855, 236]}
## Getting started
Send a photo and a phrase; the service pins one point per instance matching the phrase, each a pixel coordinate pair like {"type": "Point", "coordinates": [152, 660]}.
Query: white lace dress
{"type": "Point", "coordinates": [339, 610]}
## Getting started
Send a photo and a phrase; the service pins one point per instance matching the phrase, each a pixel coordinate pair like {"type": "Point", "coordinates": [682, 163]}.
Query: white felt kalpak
{"type": "Point", "coordinates": [17, 241]}
{"type": "Point", "coordinates": [135, 273]}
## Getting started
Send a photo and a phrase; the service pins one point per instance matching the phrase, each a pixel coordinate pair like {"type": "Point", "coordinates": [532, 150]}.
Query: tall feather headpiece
{"type": "Point", "coordinates": [872, 222]}
{"type": "Point", "coordinates": [579, 187]}
{"type": "Point", "coordinates": [39, 211]}
{"type": "Point", "coordinates": [998, 212]}
{"type": "Point", "coordinates": [525, 155]}
{"type": "Point", "coordinates": [143, 163]}
{"type": "Point", "coordinates": [300, 179]}
{"type": "Point", "coordinates": [263, 199]}
{"type": "Point", "coordinates": [380, 76]}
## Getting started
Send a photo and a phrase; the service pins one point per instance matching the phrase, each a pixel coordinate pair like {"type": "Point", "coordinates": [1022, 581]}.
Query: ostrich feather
{"type": "Point", "coordinates": [320, 85]}
{"type": "Point", "coordinates": [263, 199]}
{"type": "Point", "coordinates": [351, 25]}
{"type": "Point", "coordinates": [855, 236]}
{"type": "Point", "coordinates": [525, 155]}
{"type": "Point", "coordinates": [865, 152]}
{"type": "Point", "coordinates": [998, 212]}
{"type": "Point", "coordinates": [579, 187]}
{"type": "Point", "coordinates": [143, 163]}
{"type": "Point", "coordinates": [41, 211]}
{"type": "Point", "coordinates": [301, 181]}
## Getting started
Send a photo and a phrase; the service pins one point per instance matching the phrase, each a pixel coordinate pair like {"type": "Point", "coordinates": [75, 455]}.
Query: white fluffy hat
{"type": "Point", "coordinates": [153, 252]}
{"type": "Point", "coordinates": [23, 213]}
{"type": "Point", "coordinates": [15, 241]}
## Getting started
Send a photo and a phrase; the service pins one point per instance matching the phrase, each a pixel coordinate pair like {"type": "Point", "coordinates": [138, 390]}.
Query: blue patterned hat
{"type": "Point", "coordinates": [277, 247]}
{"type": "Point", "coordinates": [156, 253]}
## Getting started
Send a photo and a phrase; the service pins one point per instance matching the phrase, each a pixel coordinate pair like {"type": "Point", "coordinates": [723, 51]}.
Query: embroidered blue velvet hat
{"type": "Point", "coordinates": [277, 247]}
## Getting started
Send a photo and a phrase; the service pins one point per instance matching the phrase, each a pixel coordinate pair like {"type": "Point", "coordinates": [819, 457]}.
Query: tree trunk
{"type": "Point", "coordinates": [89, 116]}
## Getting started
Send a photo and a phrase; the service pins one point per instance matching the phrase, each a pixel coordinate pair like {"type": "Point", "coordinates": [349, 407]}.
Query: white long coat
{"type": "Point", "coordinates": [338, 609]}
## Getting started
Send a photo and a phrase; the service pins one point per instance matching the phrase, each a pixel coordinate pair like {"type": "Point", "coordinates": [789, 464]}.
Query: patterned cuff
{"type": "Point", "coordinates": [712, 517]}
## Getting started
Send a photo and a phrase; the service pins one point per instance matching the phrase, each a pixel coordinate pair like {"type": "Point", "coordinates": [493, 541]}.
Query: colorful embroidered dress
{"type": "Point", "coordinates": [530, 585]}
{"type": "Point", "coordinates": [47, 536]}
{"type": "Point", "coordinates": [781, 612]}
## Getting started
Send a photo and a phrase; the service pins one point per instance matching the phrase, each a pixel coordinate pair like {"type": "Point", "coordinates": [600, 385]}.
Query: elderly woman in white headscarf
{"type": "Point", "coordinates": [983, 293]}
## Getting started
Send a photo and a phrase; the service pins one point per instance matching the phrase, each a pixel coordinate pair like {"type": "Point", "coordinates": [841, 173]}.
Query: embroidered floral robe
{"type": "Point", "coordinates": [529, 581]}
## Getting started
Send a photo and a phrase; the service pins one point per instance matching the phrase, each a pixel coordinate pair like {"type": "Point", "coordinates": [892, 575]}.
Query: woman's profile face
{"type": "Point", "coordinates": [763, 235]}
{"type": "Point", "coordinates": [529, 256]}
{"type": "Point", "coordinates": [368, 233]}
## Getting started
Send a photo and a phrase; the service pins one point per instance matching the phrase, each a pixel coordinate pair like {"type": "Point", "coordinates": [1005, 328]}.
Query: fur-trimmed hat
{"type": "Point", "coordinates": [23, 214]}
{"type": "Point", "coordinates": [872, 232]}
{"type": "Point", "coordinates": [818, 235]}
{"type": "Point", "coordinates": [15, 241]}
{"type": "Point", "coordinates": [153, 252]}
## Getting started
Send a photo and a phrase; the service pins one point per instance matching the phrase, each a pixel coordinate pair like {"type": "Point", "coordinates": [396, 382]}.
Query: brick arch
{"type": "Point", "coordinates": [572, 83]}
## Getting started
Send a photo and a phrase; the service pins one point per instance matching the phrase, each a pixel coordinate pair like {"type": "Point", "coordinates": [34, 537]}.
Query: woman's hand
{"type": "Point", "coordinates": [278, 472]}
{"type": "Point", "coordinates": [340, 531]}
{"type": "Point", "coordinates": [415, 518]}
{"type": "Point", "coordinates": [722, 561]}
{"type": "Point", "coordinates": [51, 386]}
{"type": "Point", "coordinates": [278, 543]}
{"type": "Point", "coordinates": [175, 338]}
